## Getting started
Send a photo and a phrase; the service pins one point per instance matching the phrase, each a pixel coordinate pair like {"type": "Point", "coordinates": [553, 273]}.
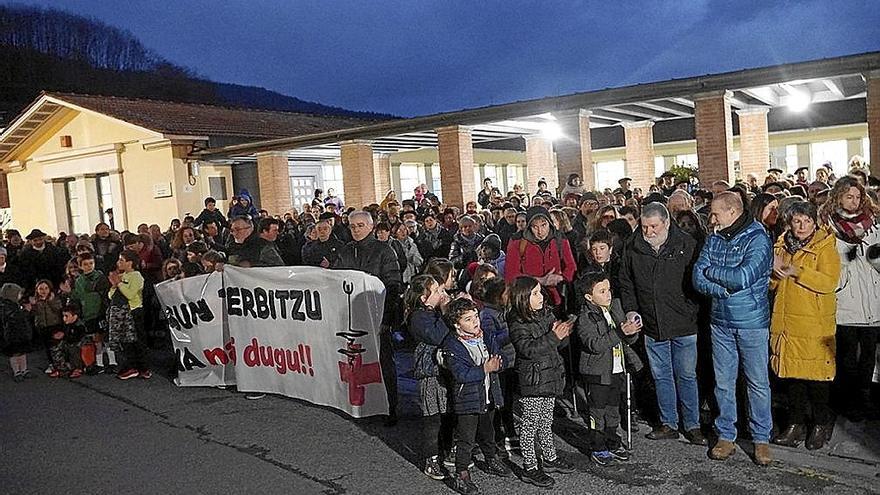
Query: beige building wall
{"type": "Point", "coordinates": [148, 174]}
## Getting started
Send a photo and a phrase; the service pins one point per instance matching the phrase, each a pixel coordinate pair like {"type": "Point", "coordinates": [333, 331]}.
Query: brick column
{"type": "Point", "coordinates": [358, 180]}
{"type": "Point", "coordinates": [574, 153]}
{"type": "Point", "coordinates": [714, 131]}
{"type": "Point", "coordinates": [873, 103]}
{"type": "Point", "coordinates": [456, 165]}
{"type": "Point", "coordinates": [382, 171]}
{"type": "Point", "coordinates": [540, 162]}
{"type": "Point", "coordinates": [273, 175]}
{"type": "Point", "coordinates": [754, 142]}
{"type": "Point", "coordinates": [640, 153]}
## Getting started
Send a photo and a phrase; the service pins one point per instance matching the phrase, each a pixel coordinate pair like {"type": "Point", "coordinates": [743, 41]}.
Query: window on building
{"type": "Point", "coordinates": [607, 173]}
{"type": "Point", "coordinates": [831, 151]}
{"type": "Point", "coordinates": [105, 197]}
{"type": "Point", "coordinates": [217, 188]}
{"type": "Point", "coordinates": [435, 181]}
{"type": "Point", "coordinates": [791, 158]}
{"type": "Point", "coordinates": [515, 175]}
{"type": "Point", "coordinates": [411, 176]}
{"type": "Point", "coordinates": [76, 217]}
{"type": "Point", "coordinates": [332, 175]}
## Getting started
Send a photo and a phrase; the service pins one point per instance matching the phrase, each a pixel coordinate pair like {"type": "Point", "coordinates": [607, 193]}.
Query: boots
{"type": "Point", "coordinates": [791, 436]}
{"type": "Point", "coordinates": [762, 454]}
{"type": "Point", "coordinates": [722, 450]}
{"type": "Point", "coordinates": [819, 435]}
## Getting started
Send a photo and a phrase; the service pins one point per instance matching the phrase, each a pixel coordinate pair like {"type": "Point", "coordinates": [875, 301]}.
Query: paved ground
{"type": "Point", "coordinates": [101, 435]}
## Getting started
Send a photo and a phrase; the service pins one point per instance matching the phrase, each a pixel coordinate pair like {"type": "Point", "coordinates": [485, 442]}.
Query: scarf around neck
{"type": "Point", "coordinates": [851, 228]}
{"type": "Point", "coordinates": [793, 244]}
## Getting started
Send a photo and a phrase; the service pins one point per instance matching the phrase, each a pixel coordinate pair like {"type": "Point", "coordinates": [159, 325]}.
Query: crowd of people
{"type": "Point", "coordinates": [753, 304]}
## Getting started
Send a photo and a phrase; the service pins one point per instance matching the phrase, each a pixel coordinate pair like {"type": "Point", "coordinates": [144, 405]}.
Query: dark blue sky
{"type": "Point", "coordinates": [413, 57]}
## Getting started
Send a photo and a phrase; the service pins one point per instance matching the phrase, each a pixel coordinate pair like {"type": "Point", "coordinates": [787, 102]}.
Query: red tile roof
{"type": "Point", "coordinates": [208, 120]}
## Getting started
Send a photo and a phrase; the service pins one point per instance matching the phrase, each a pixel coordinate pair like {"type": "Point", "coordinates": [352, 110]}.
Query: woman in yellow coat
{"type": "Point", "coordinates": [806, 270]}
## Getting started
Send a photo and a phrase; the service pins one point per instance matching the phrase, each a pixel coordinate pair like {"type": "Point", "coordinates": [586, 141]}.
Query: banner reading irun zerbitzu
{"type": "Point", "coordinates": [303, 332]}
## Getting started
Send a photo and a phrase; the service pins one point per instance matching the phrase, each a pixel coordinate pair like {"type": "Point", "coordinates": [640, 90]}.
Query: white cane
{"type": "Point", "coordinates": [629, 438]}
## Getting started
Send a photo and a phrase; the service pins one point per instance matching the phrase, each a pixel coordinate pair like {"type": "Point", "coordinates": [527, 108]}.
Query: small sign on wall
{"type": "Point", "coordinates": [162, 190]}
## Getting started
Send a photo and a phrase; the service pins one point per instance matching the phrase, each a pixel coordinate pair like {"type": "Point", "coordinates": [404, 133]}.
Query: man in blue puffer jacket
{"type": "Point", "coordinates": [734, 270]}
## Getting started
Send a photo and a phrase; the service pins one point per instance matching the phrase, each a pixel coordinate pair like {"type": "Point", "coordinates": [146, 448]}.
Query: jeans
{"type": "Point", "coordinates": [732, 347]}
{"type": "Point", "coordinates": [674, 368]}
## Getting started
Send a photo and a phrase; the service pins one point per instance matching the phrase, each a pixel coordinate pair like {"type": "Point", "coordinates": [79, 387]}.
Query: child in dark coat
{"type": "Point", "coordinates": [473, 360]}
{"type": "Point", "coordinates": [424, 299]}
{"type": "Point", "coordinates": [605, 334]}
{"type": "Point", "coordinates": [66, 344]}
{"type": "Point", "coordinates": [15, 330]}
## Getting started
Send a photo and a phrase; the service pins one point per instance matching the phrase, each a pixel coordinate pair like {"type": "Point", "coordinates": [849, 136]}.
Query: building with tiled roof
{"type": "Point", "coordinates": [81, 155]}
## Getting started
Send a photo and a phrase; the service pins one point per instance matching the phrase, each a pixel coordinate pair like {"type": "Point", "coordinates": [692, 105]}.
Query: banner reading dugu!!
{"type": "Point", "coordinates": [303, 332]}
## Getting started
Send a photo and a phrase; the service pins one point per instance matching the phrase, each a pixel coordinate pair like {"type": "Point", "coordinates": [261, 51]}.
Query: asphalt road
{"type": "Point", "coordinates": [101, 435]}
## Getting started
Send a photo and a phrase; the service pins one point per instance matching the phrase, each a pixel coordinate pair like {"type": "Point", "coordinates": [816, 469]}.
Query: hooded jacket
{"type": "Point", "coordinates": [734, 269]}
{"type": "Point", "coordinates": [528, 256]}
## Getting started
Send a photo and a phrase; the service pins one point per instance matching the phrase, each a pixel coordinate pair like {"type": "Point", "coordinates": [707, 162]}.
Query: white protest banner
{"type": "Point", "coordinates": [194, 310]}
{"type": "Point", "coordinates": [308, 333]}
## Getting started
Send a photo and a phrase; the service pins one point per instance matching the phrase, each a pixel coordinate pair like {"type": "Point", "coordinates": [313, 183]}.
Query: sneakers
{"type": "Point", "coordinates": [93, 370]}
{"type": "Point", "coordinates": [254, 396]}
{"type": "Point", "coordinates": [762, 454]}
{"type": "Point", "coordinates": [496, 467]}
{"type": "Point", "coordinates": [449, 459]}
{"type": "Point", "coordinates": [53, 374]}
{"type": "Point", "coordinates": [696, 437]}
{"type": "Point", "coordinates": [602, 458]}
{"type": "Point", "coordinates": [146, 374]}
{"type": "Point", "coordinates": [433, 469]}
{"type": "Point", "coordinates": [76, 373]}
{"type": "Point", "coordinates": [127, 374]}
{"type": "Point", "coordinates": [557, 466]}
{"type": "Point", "coordinates": [49, 370]}
{"type": "Point", "coordinates": [18, 378]}
{"type": "Point", "coordinates": [511, 444]}
{"type": "Point", "coordinates": [537, 477]}
{"type": "Point", "coordinates": [112, 369]}
{"type": "Point", "coordinates": [662, 432]}
{"type": "Point", "coordinates": [620, 454]}
{"type": "Point", "coordinates": [722, 450]}
{"type": "Point", "coordinates": [462, 483]}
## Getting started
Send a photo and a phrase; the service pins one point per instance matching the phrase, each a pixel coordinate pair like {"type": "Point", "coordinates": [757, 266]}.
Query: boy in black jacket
{"type": "Point", "coordinates": [605, 335]}
{"type": "Point", "coordinates": [66, 344]}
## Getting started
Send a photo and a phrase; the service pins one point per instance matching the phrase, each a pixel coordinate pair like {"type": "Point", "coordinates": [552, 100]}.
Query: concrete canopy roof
{"type": "Point", "coordinates": [816, 81]}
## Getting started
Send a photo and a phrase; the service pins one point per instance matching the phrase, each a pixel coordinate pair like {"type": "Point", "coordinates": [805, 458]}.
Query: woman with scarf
{"type": "Point", "coordinates": [806, 270]}
{"type": "Point", "coordinates": [855, 220]}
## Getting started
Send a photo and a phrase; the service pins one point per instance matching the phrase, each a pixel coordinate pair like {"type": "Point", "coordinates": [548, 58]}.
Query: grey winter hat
{"type": "Point", "coordinates": [2, 251]}
{"type": "Point", "coordinates": [11, 292]}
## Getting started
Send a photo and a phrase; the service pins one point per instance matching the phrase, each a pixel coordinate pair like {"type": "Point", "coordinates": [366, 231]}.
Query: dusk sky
{"type": "Point", "coordinates": [414, 57]}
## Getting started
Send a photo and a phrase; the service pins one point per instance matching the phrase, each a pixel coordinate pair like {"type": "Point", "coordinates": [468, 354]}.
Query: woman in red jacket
{"type": "Point", "coordinates": [542, 253]}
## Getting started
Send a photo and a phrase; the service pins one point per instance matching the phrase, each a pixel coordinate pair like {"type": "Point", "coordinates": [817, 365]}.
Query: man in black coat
{"type": "Point", "coordinates": [655, 281]}
{"type": "Point", "coordinates": [41, 260]}
{"type": "Point", "coordinates": [324, 251]}
{"type": "Point", "coordinates": [367, 254]}
{"type": "Point", "coordinates": [210, 213]}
